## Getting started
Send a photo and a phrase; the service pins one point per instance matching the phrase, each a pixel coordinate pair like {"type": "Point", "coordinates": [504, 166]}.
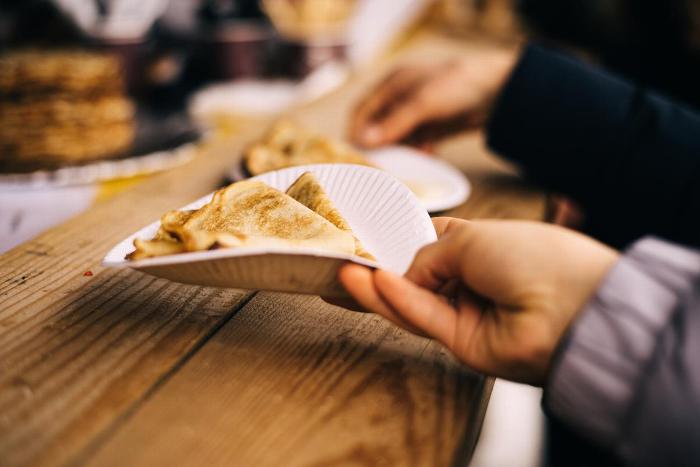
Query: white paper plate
{"type": "Point", "coordinates": [437, 184]}
{"type": "Point", "coordinates": [386, 217]}
{"type": "Point", "coordinates": [264, 97]}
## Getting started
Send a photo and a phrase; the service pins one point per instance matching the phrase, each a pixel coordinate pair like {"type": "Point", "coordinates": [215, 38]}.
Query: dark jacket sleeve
{"type": "Point", "coordinates": [630, 157]}
{"type": "Point", "coordinates": [627, 376]}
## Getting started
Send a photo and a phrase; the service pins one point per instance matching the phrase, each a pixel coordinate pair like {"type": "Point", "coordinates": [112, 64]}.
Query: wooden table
{"type": "Point", "coordinates": [114, 367]}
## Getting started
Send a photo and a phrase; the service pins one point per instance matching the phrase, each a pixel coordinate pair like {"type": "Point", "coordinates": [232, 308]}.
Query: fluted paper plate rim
{"type": "Point", "coordinates": [423, 229]}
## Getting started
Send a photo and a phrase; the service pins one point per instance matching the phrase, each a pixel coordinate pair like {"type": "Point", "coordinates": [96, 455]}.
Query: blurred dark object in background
{"type": "Point", "coordinates": [170, 49]}
{"type": "Point", "coordinates": [166, 48]}
{"type": "Point", "coordinates": [216, 10]}
{"type": "Point", "coordinates": [34, 22]}
{"type": "Point", "coordinates": [43, 24]}
{"type": "Point", "coordinates": [236, 49]}
{"type": "Point", "coordinates": [233, 39]}
{"type": "Point", "coordinates": [296, 59]}
{"type": "Point", "coordinates": [654, 42]}
{"type": "Point", "coordinates": [135, 57]}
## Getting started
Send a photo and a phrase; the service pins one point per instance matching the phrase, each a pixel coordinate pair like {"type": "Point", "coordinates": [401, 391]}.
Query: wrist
{"type": "Point", "coordinates": [598, 367]}
{"type": "Point", "coordinates": [602, 262]}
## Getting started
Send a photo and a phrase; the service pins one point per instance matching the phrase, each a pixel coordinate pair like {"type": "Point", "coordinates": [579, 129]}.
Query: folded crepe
{"type": "Point", "coordinates": [164, 242]}
{"type": "Point", "coordinates": [309, 192]}
{"type": "Point", "coordinates": [287, 144]}
{"type": "Point", "coordinates": [249, 214]}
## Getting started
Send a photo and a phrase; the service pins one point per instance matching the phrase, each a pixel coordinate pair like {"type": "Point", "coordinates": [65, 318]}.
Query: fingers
{"type": "Point", "coordinates": [427, 311]}
{"type": "Point", "coordinates": [459, 325]}
{"type": "Point", "coordinates": [359, 282]}
{"type": "Point", "coordinates": [439, 262]}
{"type": "Point", "coordinates": [400, 120]}
{"type": "Point", "coordinates": [471, 341]}
{"type": "Point", "coordinates": [368, 122]}
{"type": "Point", "coordinates": [445, 225]}
{"type": "Point", "coordinates": [438, 128]}
{"type": "Point", "coordinates": [421, 311]}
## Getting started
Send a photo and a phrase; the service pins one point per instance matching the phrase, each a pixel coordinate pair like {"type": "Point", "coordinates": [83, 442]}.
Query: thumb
{"type": "Point", "coordinates": [435, 264]}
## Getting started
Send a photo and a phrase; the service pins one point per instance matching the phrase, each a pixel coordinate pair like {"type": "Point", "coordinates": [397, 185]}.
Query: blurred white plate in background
{"type": "Point", "coordinates": [436, 184]}
{"type": "Point", "coordinates": [263, 97]}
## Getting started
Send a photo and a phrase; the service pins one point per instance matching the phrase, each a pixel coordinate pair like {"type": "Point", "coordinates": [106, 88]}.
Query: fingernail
{"type": "Point", "coordinates": [372, 135]}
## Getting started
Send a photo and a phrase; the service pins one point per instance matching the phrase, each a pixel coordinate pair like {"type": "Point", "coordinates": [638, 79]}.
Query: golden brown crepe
{"type": "Point", "coordinates": [287, 145]}
{"type": "Point", "coordinates": [248, 213]}
{"type": "Point", "coordinates": [254, 209]}
{"type": "Point", "coordinates": [164, 242]}
{"type": "Point", "coordinates": [309, 192]}
{"type": "Point", "coordinates": [152, 248]}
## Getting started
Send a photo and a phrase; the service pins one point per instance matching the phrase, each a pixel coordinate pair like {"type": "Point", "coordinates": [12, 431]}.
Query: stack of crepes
{"type": "Point", "coordinates": [253, 214]}
{"type": "Point", "coordinates": [61, 107]}
{"type": "Point", "coordinates": [287, 144]}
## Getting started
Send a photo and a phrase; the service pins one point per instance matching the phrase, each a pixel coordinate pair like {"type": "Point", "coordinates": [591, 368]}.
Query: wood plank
{"type": "Point", "coordinates": [293, 381]}
{"type": "Point", "coordinates": [80, 345]}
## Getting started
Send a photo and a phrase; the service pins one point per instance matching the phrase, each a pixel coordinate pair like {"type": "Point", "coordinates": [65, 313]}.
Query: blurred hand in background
{"type": "Point", "coordinates": [427, 102]}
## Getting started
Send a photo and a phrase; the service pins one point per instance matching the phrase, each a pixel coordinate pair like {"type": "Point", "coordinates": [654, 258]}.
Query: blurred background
{"type": "Point", "coordinates": [97, 93]}
{"type": "Point", "coordinates": [98, 90]}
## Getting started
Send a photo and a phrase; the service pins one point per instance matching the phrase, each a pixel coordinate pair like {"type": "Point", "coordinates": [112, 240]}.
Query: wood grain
{"type": "Point", "coordinates": [293, 381]}
{"type": "Point", "coordinates": [107, 367]}
{"type": "Point", "coordinates": [80, 346]}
